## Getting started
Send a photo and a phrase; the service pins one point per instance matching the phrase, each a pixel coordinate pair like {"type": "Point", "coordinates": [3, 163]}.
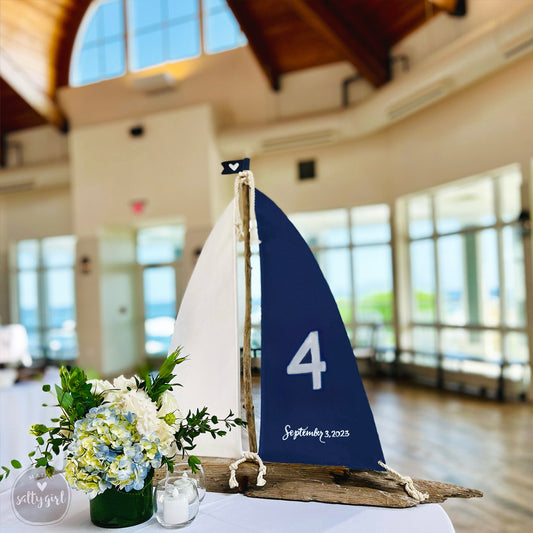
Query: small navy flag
{"type": "Point", "coordinates": [235, 166]}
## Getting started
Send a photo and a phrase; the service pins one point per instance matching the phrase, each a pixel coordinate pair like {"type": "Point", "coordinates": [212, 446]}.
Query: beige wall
{"type": "Point", "coordinates": [168, 167]}
{"type": "Point", "coordinates": [486, 127]}
{"type": "Point", "coordinates": [232, 82]}
{"type": "Point", "coordinates": [443, 30]}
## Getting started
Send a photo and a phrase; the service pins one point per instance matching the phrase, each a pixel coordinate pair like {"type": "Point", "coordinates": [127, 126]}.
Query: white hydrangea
{"type": "Point", "coordinates": [99, 385]}
{"type": "Point", "coordinates": [123, 394]}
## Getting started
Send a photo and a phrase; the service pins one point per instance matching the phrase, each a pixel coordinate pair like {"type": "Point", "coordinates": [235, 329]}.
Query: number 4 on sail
{"type": "Point", "coordinates": [315, 367]}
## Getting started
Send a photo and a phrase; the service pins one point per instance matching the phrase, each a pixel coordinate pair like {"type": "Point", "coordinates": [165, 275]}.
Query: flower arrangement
{"type": "Point", "coordinates": [115, 434]}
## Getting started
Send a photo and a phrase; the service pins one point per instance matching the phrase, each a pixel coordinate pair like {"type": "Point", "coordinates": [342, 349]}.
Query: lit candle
{"type": "Point", "coordinates": [175, 507]}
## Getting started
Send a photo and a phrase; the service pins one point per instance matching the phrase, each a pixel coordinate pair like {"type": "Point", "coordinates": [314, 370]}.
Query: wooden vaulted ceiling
{"type": "Point", "coordinates": [37, 36]}
{"type": "Point", "coordinates": [36, 39]}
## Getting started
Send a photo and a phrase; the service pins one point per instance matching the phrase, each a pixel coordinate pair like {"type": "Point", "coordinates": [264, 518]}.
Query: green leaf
{"type": "Point", "coordinates": [38, 430]}
{"type": "Point", "coordinates": [6, 470]}
{"type": "Point", "coordinates": [66, 401]}
{"type": "Point", "coordinates": [40, 440]}
{"type": "Point", "coordinates": [46, 388]}
{"type": "Point", "coordinates": [15, 464]}
{"type": "Point", "coordinates": [193, 463]}
{"type": "Point", "coordinates": [59, 391]}
{"type": "Point", "coordinates": [42, 461]}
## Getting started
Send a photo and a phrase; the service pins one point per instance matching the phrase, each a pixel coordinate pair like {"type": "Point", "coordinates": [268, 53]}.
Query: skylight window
{"type": "Point", "coordinates": [157, 31]}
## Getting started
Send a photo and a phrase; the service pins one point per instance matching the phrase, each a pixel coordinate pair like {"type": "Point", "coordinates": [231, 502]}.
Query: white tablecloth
{"type": "Point", "coordinates": [233, 513]}
{"type": "Point", "coordinates": [20, 406]}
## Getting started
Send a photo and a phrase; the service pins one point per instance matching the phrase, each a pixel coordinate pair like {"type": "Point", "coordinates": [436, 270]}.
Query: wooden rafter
{"type": "Point", "coordinates": [354, 40]}
{"type": "Point", "coordinates": [27, 50]}
{"type": "Point", "coordinates": [65, 43]}
{"type": "Point", "coordinates": [36, 97]}
{"type": "Point", "coordinates": [256, 42]}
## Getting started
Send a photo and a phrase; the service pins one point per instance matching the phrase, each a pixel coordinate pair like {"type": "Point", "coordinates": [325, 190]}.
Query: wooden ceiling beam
{"type": "Point", "coordinates": [256, 42]}
{"type": "Point", "coordinates": [65, 42]}
{"type": "Point", "coordinates": [354, 40]}
{"type": "Point", "coordinates": [35, 96]}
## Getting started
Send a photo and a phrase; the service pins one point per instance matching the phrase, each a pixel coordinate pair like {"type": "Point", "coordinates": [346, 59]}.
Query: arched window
{"type": "Point", "coordinates": [157, 31]}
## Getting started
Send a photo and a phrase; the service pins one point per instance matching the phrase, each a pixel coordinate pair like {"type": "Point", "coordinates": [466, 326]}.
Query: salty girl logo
{"type": "Point", "coordinates": [38, 499]}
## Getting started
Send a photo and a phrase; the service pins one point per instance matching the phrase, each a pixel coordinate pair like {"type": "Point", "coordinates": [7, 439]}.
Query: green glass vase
{"type": "Point", "coordinates": [117, 508]}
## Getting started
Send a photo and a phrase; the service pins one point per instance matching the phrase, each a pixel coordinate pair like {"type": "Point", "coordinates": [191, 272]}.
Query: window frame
{"type": "Point", "coordinates": [43, 329]}
{"type": "Point", "coordinates": [440, 358]}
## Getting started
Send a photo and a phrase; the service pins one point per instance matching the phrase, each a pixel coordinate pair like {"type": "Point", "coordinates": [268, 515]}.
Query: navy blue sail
{"type": "Point", "coordinates": [314, 408]}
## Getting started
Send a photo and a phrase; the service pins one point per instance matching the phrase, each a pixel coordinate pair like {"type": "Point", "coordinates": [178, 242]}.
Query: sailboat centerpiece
{"type": "Point", "coordinates": [318, 440]}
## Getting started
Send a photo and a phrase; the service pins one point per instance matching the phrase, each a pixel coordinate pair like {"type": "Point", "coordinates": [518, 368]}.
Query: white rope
{"type": "Point", "coordinates": [407, 483]}
{"type": "Point", "coordinates": [247, 456]}
{"type": "Point", "coordinates": [245, 179]}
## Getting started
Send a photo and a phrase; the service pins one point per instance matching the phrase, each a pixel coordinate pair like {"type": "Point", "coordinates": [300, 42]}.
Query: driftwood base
{"type": "Point", "coordinates": [333, 484]}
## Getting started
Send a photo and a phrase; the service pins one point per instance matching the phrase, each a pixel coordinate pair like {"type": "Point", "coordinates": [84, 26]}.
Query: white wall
{"type": "Point", "coordinates": [443, 30]}
{"type": "Point", "coordinates": [167, 167]}
{"type": "Point", "coordinates": [232, 82]}
{"type": "Point", "coordinates": [486, 127]}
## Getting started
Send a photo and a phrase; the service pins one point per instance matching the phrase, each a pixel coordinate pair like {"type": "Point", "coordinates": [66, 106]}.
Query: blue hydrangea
{"type": "Point", "coordinates": [108, 451]}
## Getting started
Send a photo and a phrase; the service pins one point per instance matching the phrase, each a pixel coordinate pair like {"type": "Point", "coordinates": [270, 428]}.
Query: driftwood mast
{"type": "Point", "coordinates": [246, 350]}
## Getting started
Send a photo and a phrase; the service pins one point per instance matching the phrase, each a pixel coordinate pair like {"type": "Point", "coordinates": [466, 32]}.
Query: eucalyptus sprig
{"type": "Point", "coordinates": [198, 423]}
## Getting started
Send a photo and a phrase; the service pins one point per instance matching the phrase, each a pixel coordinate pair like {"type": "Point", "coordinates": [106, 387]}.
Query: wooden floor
{"type": "Point", "coordinates": [459, 439]}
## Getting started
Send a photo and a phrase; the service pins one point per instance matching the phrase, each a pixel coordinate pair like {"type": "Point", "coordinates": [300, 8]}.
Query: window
{"type": "Point", "coordinates": [467, 275]}
{"type": "Point", "coordinates": [159, 253]}
{"type": "Point", "coordinates": [163, 30]}
{"type": "Point", "coordinates": [221, 30]}
{"type": "Point", "coordinates": [46, 296]}
{"type": "Point", "coordinates": [353, 249]}
{"type": "Point", "coordinates": [101, 53]}
{"type": "Point", "coordinates": [157, 31]}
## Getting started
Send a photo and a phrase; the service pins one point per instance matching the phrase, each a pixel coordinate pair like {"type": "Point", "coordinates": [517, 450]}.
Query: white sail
{"type": "Point", "coordinates": [206, 328]}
